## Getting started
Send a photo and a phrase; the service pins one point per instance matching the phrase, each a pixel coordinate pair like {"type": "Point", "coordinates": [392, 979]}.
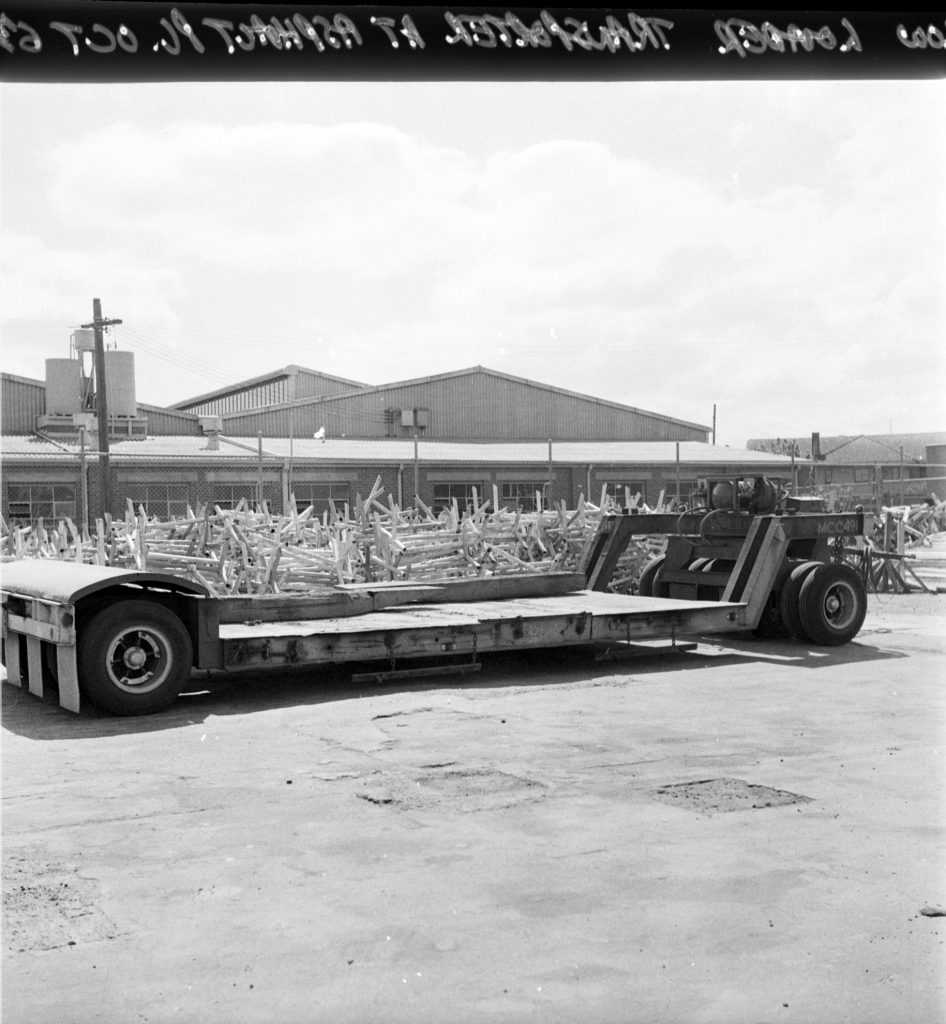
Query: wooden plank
{"type": "Point", "coordinates": [494, 588]}
{"type": "Point", "coordinates": [474, 613]}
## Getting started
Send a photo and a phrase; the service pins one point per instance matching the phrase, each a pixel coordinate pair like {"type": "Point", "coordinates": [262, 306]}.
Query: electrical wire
{"type": "Point", "coordinates": [162, 351]}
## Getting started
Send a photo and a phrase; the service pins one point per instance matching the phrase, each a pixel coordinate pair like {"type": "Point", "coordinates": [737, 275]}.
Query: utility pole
{"type": "Point", "coordinates": [98, 325]}
{"type": "Point", "coordinates": [416, 470]}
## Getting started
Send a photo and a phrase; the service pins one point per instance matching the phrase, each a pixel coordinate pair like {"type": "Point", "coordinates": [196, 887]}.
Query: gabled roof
{"type": "Point", "coordinates": [167, 410]}
{"type": "Point", "coordinates": [452, 375]}
{"type": "Point", "coordinates": [285, 371]}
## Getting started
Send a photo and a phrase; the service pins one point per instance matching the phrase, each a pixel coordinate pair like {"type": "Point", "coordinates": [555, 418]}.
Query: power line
{"type": "Point", "coordinates": [183, 361]}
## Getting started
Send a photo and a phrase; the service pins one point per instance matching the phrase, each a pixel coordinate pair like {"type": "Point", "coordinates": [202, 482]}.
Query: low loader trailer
{"type": "Point", "coordinates": [129, 640]}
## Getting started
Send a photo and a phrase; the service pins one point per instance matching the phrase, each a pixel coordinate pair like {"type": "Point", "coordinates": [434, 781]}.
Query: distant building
{"type": "Point", "coordinates": [873, 470]}
{"type": "Point", "coordinates": [472, 434]}
{"type": "Point", "coordinates": [474, 404]}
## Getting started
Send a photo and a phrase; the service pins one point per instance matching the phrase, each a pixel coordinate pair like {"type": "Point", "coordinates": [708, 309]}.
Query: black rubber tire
{"type": "Point", "coordinates": [645, 586]}
{"type": "Point", "coordinates": [790, 601]}
{"type": "Point", "coordinates": [133, 658]}
{"type": "Point", "coordinates": [833, 604]}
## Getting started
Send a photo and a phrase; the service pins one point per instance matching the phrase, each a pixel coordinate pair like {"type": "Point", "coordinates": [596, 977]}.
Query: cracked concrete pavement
{"type": "Point", "coordinates": [501, 848]}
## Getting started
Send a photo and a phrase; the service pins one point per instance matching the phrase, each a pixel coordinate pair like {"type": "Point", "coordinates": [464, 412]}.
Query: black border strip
{"type": "Point", "coordinates": [98, 41]}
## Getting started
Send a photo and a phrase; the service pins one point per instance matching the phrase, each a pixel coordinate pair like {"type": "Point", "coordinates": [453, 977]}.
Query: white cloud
{"type": "Point", "coordinates": [51, 282]}
{"type": "Point", "coordinates": [788, 250]}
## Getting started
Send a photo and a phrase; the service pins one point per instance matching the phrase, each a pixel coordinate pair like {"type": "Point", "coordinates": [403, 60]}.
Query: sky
{"type": "Point", "coordinates": [774, 249]}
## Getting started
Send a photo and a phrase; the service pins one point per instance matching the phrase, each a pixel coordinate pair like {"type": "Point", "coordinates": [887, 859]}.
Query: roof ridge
{"type": "Point", "coordinates": [467, 371]}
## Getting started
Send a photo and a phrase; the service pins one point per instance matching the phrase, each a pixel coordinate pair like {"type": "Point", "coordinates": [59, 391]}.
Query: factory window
{"type": "Point", "coordinates": [446, 493]}
{"type": "Point", "coordinates": [624, 491]}
{"type": "Point", "coordinates": [322, 496]}
{"type": "Point", "coordinates": [690, 493]}
{"type": "Point", "coordinates": [41, 501]}
{"type": "Point", "coordinates": [228, 496]}
{"type": "Point", "coordinates": [164, 501]}
{"type": "Point", "coordinates": [521, 493]}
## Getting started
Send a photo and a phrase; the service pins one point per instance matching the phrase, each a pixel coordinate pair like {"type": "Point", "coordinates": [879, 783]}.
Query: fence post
{"type": "Point", "coordinates": [286, 475]}
{"type": "Point", "coordinates": [901, 475]}
{"type": "Point", "coordinates": [259, 486]}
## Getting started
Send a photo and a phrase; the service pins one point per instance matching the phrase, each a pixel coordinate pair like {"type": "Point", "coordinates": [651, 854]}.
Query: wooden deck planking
{"type": "Point", "coordinates": [471, 614]}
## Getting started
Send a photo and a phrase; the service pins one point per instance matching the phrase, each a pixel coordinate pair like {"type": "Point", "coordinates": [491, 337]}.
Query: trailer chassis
{"type": "Point", "coordinates": [129, 640]}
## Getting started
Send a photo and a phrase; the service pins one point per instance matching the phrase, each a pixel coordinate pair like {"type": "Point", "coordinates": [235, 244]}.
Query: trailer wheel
{"type": "Point", "coordinates": [650, 584]}
{"type": "Point", "coordinates": [790, 601]}
{"type": "Point", "coordinates": [134, 657]}
{"type": "Point", "coordinates": [833, 604]}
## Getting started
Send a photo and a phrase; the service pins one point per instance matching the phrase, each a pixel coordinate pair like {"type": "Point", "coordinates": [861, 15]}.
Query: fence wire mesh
{"type": "Point", "coordinates": [72, 485]}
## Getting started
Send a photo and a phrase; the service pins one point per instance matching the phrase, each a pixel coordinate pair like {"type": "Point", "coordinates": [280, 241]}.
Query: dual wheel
{"type": "Point", "coordinates": [650, 584]}
{"type": "Point", "coordinates": [822, 602]}
{"type": "Point", "coordinates": [133, 657]}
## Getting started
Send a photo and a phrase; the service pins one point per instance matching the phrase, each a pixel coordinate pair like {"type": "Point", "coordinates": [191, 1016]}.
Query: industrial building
{"type": "Point", "coordinates": [298, 434]}
{"type": "Point", "coordinates": [873, 470]}
{"type": "Point", "coordinates": [475, 404]}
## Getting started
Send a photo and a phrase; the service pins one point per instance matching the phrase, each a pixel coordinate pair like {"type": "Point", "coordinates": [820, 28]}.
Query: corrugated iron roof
{"type": "Point", "coordinates": [24, 380]}
{"type": "Point", "coordinates": [345, 396]}
{"type": "Point", "coordinates": [250, 382]}
{"type": "Point", "coordinates": [600, 453]}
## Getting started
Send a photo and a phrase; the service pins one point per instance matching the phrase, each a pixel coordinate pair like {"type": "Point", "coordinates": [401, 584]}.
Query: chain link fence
{"type": "Point", "coordinates": [53, 487]}
{"type": "Point", "coordinates": [70, 485]}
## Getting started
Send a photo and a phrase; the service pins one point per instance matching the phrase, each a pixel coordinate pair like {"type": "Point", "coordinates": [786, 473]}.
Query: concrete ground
{"type": "Point", "coordinates": [520, 845]}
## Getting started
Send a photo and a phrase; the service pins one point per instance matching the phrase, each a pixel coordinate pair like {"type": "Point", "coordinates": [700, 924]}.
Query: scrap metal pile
{"type": "Point", "coordinates": [254, 551]}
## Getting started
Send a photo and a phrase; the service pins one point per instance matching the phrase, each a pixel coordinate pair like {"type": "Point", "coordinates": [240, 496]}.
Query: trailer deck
{"type": "Point", "coordinates": [426, 630]}
{"type": "Point", "coordinates": [128, 640]}
{"type": "Point", "coordinates": [49, 608]}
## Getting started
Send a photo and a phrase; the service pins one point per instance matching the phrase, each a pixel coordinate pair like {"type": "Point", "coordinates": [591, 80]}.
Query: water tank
{"type": "Point", "coordinates": [120, 383]}
{"type": "Point", "coordinates": [83, 340]}
{"type": "Point", "coordinates": [63, 387]}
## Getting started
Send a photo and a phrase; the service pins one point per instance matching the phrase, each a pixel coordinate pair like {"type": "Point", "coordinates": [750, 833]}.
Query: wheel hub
{"type": "Point", "coordinates": [135, 658]}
